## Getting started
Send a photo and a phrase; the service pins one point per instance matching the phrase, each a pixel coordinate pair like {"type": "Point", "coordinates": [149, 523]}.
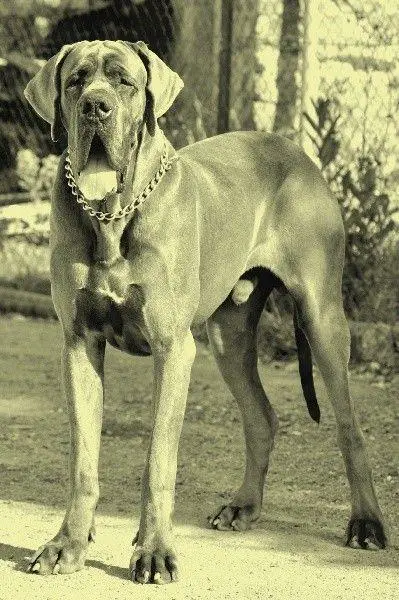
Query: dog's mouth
{"type": "Point", "coordinates": [98, 177]}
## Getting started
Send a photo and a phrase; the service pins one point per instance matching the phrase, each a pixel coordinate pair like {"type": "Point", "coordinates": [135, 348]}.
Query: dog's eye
{"type": "Point", "coordinates": [76, 80]}
{"type": "Point", "coordinates": [120, 78]}
{"type": "Point", "coordinates": [127, 82]}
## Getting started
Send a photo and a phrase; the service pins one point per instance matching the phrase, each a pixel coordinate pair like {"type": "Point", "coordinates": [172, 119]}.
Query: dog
{"type": "Point", "coordinates": [147, 242]}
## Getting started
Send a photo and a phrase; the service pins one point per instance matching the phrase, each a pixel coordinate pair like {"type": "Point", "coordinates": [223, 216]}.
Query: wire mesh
{"type": "Point", "coordinates": [352, 60]}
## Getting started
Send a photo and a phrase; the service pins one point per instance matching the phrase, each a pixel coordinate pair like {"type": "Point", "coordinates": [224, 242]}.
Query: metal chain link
{"type": "Point", "coordinates": [166, 164]}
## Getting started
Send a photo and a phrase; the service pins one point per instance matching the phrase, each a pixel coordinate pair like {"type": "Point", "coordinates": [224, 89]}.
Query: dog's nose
{"type": "Point", "coordinates": [96, 108]}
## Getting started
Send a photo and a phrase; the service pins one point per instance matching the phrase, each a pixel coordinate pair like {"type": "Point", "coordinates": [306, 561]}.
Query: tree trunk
{"type": "Point", "coordinates": [287, 69]}
{"type": "Point", "coordinates": [243, 64]}
{"type": "Point", "coordinates": [310, 74]}
{"type": "Point", "coordinates": [196, 59]}
{"type": "Point", "coordinates": [225, 54]}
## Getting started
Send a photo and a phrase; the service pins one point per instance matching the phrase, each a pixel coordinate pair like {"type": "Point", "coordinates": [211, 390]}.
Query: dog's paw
{"type": "Point", "coordinates": [158, 565]}
{"type": "Point", "coordinates": [233, 518]}
{"type": "Point", "coordinates": [153, 563]}
{"type": "Point", "coordinates": [367, 534]}
{"type": "Point", "coordinates": [60, 555]}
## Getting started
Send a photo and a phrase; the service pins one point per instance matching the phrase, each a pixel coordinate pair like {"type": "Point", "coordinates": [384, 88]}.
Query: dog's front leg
{"type": "Point", "coordinates": [82, 370]}
{"type": "Point", "coordinates": [154, 558]}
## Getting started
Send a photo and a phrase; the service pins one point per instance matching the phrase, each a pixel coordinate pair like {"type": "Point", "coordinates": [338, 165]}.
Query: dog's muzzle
{"type": "Point", "coordinates": [96, 171]}
{"type": "Point", "coordinates": [96, 109]}
{"type": "Point", "coordinates": [98, 177]}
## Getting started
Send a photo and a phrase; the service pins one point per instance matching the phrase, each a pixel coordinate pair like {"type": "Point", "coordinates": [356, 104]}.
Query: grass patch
{"type": "Point", "coordinates": [26, 303]}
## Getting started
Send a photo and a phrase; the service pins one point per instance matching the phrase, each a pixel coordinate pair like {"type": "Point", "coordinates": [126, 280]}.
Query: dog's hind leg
{"type": "Point", "coordinates": [232, 335]}
{"type": "Point", "coordinates": [322, 319]}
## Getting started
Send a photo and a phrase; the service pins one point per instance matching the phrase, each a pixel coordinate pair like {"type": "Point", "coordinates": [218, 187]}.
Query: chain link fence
{"type": "Point", "coordinates": [322, 72]}
{"type": "Point", "coordinates": [36, 30]}
{"type": "Point", "coordinates": [345, 51]}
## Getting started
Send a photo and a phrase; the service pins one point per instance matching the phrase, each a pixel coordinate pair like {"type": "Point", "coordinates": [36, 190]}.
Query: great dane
{"type": "Point", "coordinates": [147, 242]}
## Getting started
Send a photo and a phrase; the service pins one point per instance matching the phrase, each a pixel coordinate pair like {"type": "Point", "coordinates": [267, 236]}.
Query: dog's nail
{"type": "Point", "coordinates": [56, 568]}
{"type": "Point", "coordinates": [35, 568]}
{"type": "Point", "coordinates": [174, 575]}
{"type": "Point", "coordinates": [370, 544]}
{"type": "Point", "coordinates": [146, 576]}
{"type": "Point", "coordinates": [157, 578]}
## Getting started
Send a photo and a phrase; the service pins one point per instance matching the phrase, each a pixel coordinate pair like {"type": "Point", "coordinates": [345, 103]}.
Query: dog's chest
{"type": "Point", "coordinates": [112, 307]}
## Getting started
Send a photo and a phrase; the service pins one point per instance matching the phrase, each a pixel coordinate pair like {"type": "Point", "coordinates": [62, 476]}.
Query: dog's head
{"type": "Point", "coordinates": [103, 93]}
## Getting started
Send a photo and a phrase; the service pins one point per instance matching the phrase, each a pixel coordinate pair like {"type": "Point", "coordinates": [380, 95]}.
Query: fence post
{"type": "Point", "coordinates": [226, 28]}
{"type": "Point", "coordinates": [310, 71]}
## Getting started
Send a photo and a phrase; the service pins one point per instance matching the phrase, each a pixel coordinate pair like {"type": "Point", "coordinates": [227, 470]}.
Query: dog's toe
{"type": "Point", "coordinates": [233, 518]}
{"type": "Point", "coordinates": [158, 566]}
{"type": "Point", "coordinates": [58, 556]}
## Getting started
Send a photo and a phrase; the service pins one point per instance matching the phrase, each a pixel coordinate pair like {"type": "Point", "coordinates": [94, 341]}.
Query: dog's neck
{"type": "Point", "coordinates": [143, 164]}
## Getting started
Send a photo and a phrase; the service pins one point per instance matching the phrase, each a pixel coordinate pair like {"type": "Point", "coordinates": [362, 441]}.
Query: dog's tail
{"type": "Point", "coordinates": [306, 369]}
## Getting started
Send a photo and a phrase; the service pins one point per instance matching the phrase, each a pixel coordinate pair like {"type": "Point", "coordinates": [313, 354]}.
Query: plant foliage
{"type": "Point", "coordinates": [371, 271]}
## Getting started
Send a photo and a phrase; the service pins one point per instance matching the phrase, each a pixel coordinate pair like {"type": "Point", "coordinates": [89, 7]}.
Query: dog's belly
{"type": "Point", "coordinates": [116, 320]}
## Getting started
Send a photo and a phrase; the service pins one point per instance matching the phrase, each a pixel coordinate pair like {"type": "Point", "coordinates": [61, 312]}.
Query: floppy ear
{"type": "Point", "coordinates": [43, 91]}
{"type": "Point", "coordinates": [163, 84]}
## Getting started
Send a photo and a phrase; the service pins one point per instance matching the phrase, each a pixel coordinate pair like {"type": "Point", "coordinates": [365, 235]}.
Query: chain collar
{"type": "Point", "coordinates": [166, 164]}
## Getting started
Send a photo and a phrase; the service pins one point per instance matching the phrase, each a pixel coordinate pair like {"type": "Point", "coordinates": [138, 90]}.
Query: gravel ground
{"type": "Point", "coordinates": [281, 565]}
{"type": "Point", "coordinates": [296, 551]}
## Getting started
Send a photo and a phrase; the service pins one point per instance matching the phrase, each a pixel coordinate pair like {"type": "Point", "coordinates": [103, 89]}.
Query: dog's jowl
{"type": "Point", "coordinates": [145, 243]}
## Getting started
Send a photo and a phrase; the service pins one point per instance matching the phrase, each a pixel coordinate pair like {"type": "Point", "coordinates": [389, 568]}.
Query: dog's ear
{"type": "Point", "coordinates": [163, 84]}
{"type": "Point", "coordinates": [43, 91]}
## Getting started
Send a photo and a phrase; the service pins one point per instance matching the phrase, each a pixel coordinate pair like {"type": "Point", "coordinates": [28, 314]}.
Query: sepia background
{"type": "Point", "coordinates": [324, 73]}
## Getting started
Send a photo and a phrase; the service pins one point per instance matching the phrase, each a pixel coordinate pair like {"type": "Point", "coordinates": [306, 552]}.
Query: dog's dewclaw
{"type": "Point", "coordinates": [242, 290]}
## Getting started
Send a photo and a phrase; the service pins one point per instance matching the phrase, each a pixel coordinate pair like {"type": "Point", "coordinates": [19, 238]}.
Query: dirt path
{"type": "Point", "coordinates": [258, 564]}
{"type": "Point", "coordinates": [296, 551]}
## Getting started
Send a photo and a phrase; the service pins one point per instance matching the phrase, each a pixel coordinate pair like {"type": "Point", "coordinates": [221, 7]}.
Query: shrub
{"type": "Point", "coordinates": [24, 265]}
{"type": "Point", "coordinates": [369, 273]}
{"type": "Point", "coordinates": [36, 175]}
